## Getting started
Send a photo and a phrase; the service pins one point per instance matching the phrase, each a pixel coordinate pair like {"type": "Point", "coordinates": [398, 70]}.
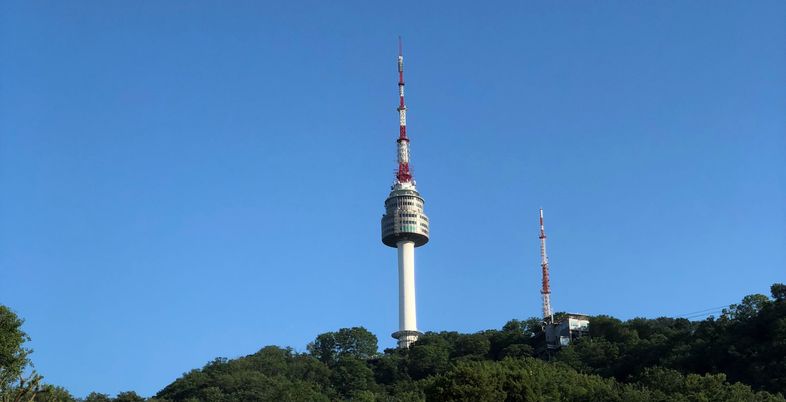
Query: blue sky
{"type": "Point", "coordinates": [187, 180]}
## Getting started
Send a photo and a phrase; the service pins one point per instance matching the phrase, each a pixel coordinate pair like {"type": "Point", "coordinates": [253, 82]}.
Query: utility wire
{"type": "Point", "coordinates": [705, 312]}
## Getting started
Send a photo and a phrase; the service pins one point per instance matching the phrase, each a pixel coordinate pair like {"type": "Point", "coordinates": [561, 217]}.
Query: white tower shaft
{"type": "Point", "coordinates": [407, 315]}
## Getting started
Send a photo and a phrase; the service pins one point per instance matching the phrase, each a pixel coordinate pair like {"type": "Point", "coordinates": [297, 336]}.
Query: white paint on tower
{"type": "Point", "coordinates": [407, 315]}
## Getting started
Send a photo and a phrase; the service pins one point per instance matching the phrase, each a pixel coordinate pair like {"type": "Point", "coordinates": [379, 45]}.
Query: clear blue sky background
{"type": "Point", "coordinates": [183, 180]}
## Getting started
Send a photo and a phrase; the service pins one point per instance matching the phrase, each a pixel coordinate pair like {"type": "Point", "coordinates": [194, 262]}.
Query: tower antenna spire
{"type": "Point", "coordinates": [403, 175]}
{"type": "Point", "coordinates": [545, 290]}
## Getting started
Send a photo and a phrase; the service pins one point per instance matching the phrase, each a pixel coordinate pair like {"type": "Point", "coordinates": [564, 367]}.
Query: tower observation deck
{"type": "Point", "coordinates": [404, 219]}
{"type": "Point", "coordinates": [405, 225]}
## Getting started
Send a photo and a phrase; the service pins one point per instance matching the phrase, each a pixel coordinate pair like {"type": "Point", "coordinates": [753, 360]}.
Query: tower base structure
{"type": "Point", "coordinates": [406, 338]}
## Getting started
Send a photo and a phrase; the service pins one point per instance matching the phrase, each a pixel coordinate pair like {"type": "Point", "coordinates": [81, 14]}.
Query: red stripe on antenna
{"type": "Point", "coordinates": [403, 175]}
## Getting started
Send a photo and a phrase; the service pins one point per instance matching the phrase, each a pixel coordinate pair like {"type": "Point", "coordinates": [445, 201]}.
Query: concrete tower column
{"type": "Point", "coordinates": [407, 315]}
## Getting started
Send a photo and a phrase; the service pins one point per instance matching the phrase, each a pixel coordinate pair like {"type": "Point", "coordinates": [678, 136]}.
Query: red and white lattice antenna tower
{"type": "Point", "coordinates": [403, 175]}
{"type": "Point", "coordinates": [545, 291]}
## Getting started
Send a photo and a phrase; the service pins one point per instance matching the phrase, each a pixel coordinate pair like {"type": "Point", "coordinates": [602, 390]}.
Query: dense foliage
{"type": "Point", "coordinates": [738, 356]}
{"type": "Point", "coordinates": [747, 343]}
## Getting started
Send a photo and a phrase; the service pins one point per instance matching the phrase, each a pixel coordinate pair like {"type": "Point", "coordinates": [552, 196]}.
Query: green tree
{"type": "Point", "coordinates": [390, 369]}
{"type": "Point", "coordinates": [13, 355]}
{"type": "Point", "coordinates": [51, 393]}
{"type": "Point", "coordinates": [428, 356]}
{"type": "Point", "coordinates": [750, 306]}
{"type": "Point", "coordinates": [473, 346]}
{"type": "Point", "coordinates": [351, 375]}
{"type": "Point", "coordinates": [778, 291]}
{"type": "Point", "coordinates": [670, 385]}
{"type": "Point", "coordinates": [516, 339]}
{"type": "Point", "coordinates": [516, 350]}
{"type": "Point", "coordinates": [14, 360]}
{"type": "Point", "coordinates": [357, 342]}
{"type": "Point", "coordinates": [128, 396]}
{"type": "Point", "coordinates": [529, 327]}
{"type": "Point", "coordinates": [97, 397]}
{"type": "Point", "coordinates": [470, 382]}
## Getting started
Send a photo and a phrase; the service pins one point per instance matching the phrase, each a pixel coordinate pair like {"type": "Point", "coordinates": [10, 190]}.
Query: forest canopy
{"type": "Point", "coordinates": [738, 356]}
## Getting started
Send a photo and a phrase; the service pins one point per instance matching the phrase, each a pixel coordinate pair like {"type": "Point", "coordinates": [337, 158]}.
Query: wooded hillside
{"type": "Point", "coordinates": [738, 356]}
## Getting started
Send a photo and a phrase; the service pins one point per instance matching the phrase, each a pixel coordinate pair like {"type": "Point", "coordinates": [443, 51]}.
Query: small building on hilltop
{"type": "Point", "coordinates": [566, 329]}
{"type": "Point", "coordinates": [560, 332]}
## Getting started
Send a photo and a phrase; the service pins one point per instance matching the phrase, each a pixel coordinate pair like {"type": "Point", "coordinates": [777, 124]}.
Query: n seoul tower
{"type": "Point", "coordinates": [404, 224]}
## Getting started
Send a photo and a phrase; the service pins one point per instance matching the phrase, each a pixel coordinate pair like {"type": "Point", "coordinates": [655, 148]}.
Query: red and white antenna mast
{"type": "Point", "coordinates": [403, 175]}
{"type": "Point", "coordinates": [545, 291]}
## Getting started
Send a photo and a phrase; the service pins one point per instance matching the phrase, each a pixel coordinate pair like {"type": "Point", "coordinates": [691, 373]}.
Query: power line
{"type": "Point", "coordinates": [704, 313]}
